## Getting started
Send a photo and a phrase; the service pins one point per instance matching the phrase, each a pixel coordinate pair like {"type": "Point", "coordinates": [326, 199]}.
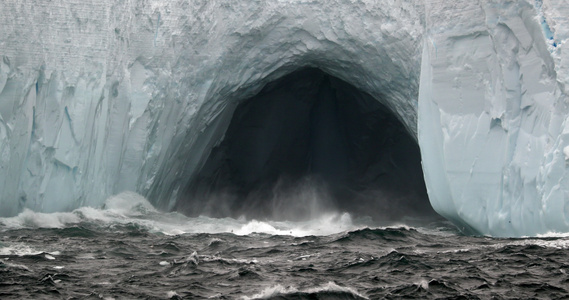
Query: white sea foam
{"type": "Point", "coordinates": [554, 243]}
{"type": "Point", "coordinates": [553, 234]}
{"type": "Point", "coordinates": [30, 219]}
{"type": "Point", "coordinates": [557, 244]}
{"type": "Point", "coordinates": [278, 289]}
{"type": "Point", "coordinates": [129, 203]}
{"type": "Point", "coordinates": [19, 249]}
{"type": "Point", "coordinates": [171, 294]}
{"type": "Point", "coordinates": [423, 283]}
{"type": "Point", "coordinates": [271, 292]}
{"type": "Point", "coordinates": [131, 208]}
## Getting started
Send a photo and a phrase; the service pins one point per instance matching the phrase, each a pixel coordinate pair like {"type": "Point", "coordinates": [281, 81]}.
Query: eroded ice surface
{"type": "Point", "coordinates": [493, 116]}
{"type": "Point", "coordinates": [100, 97]}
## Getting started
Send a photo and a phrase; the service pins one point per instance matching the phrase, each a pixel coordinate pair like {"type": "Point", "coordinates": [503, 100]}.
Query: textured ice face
{"type": "Point", "coordinates": [493, 116]}
{"type": "Point", "coordinates": [100, 97]}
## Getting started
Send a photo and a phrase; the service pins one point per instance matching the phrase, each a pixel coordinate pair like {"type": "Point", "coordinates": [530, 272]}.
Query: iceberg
{"type": "Point", "coordinates": [102, 97]}
{"type": "Point", "coordinates": [492, 123]}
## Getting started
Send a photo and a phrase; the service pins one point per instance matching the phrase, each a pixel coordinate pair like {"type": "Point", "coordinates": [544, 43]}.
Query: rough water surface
{"type": "Point", "coordinates": [132, 258]}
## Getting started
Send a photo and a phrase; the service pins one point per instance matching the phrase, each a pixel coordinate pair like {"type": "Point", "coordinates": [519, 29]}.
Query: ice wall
{"type": "Point", "coordinates": [493, 115]}
{"type": "Point", "coordinates": [102, 96]}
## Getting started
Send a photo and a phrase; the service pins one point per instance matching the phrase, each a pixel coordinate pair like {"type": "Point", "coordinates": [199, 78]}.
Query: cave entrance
{"type": "Point", "coordinates": [307, 143]}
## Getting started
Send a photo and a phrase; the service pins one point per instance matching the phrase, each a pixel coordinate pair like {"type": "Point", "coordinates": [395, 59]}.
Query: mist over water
{"type": "Point", "coordinates": [131, 208]}
{"type": "Point", "coordinates": [309, 143]}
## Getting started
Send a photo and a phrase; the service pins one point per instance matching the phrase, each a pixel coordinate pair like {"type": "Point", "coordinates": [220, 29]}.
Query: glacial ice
{"type": "Point", "coordinates": [492, 123]}
{"type": "Point", "coordinates": [98, 97]}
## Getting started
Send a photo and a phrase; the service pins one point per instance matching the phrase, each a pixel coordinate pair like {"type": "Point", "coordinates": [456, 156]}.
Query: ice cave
{"type": "Point", "coordinates": [309, 142]}
{"type": "Point", "coordinates": [382, 108]}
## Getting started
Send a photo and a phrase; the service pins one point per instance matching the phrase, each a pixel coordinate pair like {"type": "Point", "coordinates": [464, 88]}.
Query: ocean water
{"type": "Point", "coordinates": [128, 250]}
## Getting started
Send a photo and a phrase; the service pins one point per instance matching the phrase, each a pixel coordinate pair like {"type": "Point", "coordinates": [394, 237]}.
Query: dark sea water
{"type": "Point", "coordinates": [143, 254]}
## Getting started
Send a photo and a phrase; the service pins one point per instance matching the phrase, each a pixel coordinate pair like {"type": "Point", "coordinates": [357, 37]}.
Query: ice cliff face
{"type": "Point", "coordinates": [99, 97]}
{"type": "Point", "coordinates": [493, 115]}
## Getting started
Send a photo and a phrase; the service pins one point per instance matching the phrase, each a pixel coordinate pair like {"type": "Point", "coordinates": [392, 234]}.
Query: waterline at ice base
{"type": "Point", "coordinates": [374, 112]}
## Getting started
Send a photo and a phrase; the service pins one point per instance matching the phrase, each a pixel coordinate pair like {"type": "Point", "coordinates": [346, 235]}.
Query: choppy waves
{"type": "Point", "coordinates": [128, 250]}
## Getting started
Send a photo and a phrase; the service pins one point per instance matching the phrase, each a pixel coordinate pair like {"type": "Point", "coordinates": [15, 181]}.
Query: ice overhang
{"type": "Point", "coordinates": [388, 72]}
{"type": "Point", "coordinates": [307, 142]}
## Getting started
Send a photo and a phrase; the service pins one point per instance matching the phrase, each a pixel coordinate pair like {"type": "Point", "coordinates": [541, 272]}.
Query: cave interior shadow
{"type": "Point", "coordinates": [307, 144]}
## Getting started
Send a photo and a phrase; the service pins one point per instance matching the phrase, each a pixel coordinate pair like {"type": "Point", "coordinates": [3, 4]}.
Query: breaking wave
{"type": "Point", "coordinates": [131, 208]}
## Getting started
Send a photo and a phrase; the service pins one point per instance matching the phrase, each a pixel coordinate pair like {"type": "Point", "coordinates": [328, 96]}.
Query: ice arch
{"type": "Point", "coordinates": [101, 96]}
{"type": "Point", "coordinates": [307, 143]}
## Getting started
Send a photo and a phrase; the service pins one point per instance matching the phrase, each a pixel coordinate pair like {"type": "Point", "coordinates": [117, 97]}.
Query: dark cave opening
{"type": "Point", "coordinates": [310, 143]}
